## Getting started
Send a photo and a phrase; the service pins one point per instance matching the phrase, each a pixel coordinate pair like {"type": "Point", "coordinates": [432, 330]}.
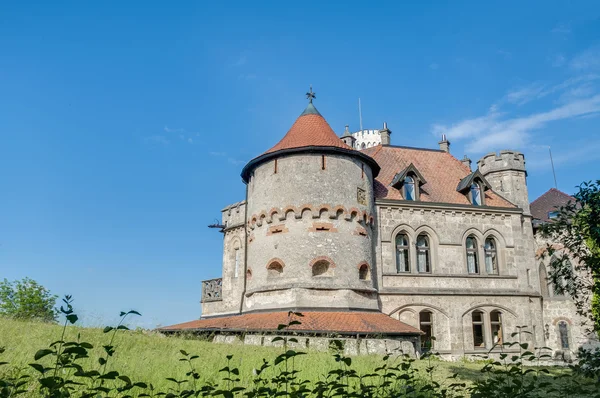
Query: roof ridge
{"type": "Point", "coordinates": [552, 190]}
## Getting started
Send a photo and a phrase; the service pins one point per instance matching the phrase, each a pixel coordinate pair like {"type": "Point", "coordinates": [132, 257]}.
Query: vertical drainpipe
{"type": "Point", "coordinates": [245, 248]}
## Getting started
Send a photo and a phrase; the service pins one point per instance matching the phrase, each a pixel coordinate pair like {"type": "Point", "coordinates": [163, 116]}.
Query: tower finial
{"type": "Point", "coordinates": [310, 95]}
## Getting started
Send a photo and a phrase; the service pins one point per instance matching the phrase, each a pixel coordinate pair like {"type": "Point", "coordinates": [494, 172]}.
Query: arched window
{"type": "Point", "coordinates": [409, 188]}
{"type": "Point", "coordinates": [476, 194]}
{"type": "Point", "coordinates": [426, 326]}
{"type": "Point", "coordinates": [363, 273]}
{"type": "Point", "coordinates": [472, 263]}
{"type": "Point", "coordinates": [321, 268]}
{"type": "Point", "coordinates": [544, 281]}
{"type": "Point", "coordinates": [496, 324]}
{"type": "Point", "coordinates": [491, 256]}
{"type": "Point", "coordinates": [423, 258]}
{"type": "Point", "coordinates": [563, 333]}
{"type": "Point", "coordinates": [478, 334]}
{"type": "Point", "coordinates": [402, 253]}
{"type": "Point", "coordinates": [363, 146]}
{"type": "Point", "coordinates": [274, 269]}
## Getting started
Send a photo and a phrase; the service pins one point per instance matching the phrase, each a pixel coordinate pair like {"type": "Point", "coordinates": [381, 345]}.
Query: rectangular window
{"type": "Point", "coordinates": [552, 215]}
{"type": "Point", "coordinates": [237, 263]}
{"type": "Point", "coordinates": [478, 336]}
{"type": "Point", "coordinates": [322, 162]}
{"type": "Point", "coordinates": [275, 166]}
{"type": "Point", "coordinates": [496, 324]}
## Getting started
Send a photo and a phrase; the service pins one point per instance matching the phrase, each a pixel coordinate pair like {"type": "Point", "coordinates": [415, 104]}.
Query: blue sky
{"type": "Point", "coordinates": [125, 125]}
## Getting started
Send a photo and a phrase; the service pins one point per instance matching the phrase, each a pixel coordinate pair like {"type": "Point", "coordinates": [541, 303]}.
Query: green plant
{"type": "Point", "coordinates": [27, 299]}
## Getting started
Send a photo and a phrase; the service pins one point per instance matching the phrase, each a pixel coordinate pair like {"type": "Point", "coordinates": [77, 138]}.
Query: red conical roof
{"type": "Point", "coordinates": [310, 129]}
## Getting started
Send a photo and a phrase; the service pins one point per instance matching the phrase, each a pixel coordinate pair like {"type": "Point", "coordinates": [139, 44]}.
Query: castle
{"type": "Point", "coordinates": [381, 243]}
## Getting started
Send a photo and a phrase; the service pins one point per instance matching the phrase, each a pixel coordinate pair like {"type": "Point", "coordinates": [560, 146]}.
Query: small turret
{"type": "Point", "coordinates": [507, 174]}
{"type": "Point", "coordinates": [466, 161]}
{"type": "Point", "coordinates": [348, 138]}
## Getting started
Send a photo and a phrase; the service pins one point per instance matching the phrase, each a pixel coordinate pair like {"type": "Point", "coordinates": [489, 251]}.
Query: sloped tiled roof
{"type": "Point", "coordinates": [442, 171]}
{"type": "Point", "coordinates": [310, 129]}
{"type": "Point", "coordinates": [548, 202]}
{"type": "Point", "coordinates": [349, 322]}
{"type": "Point", "coordinates": [309, 133]}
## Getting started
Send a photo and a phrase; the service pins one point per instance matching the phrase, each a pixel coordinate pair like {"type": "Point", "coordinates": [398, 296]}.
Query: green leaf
{"type": "Point", "coordinates": [183, 352]}
{"type": "Point", "coordinates": [125, 379]}
{"type": "Point", "coordinates": [122, 327]}
{"type": "Point", "coordinates": [72, 318]}
{"type": "Point", "coordinates": [108, 329]}
{"type": "Point", "coordinates": [42, 353]}
{"type": "Point", "coordinates": [110, 375]}
{"type": "Point", "coordinates": [38, 367]}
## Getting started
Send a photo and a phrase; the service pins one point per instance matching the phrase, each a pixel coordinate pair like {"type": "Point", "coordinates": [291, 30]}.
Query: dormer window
{"type": "Point", "coordinates": [473, 187]}
{"type": "Point", "coordinates": [476, 194]}
{"type": "Point", "coordinates": [409, 188]}
{"type": "Point", "coordinates": [409, 182]}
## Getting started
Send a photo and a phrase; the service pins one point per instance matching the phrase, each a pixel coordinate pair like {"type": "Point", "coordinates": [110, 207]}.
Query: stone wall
{"type": "Point", "coordinates": [449, 292]}
{"type": "Point", "coordinates": [301, 215]}
{"type": "Point", "coordinates": [366, 138]}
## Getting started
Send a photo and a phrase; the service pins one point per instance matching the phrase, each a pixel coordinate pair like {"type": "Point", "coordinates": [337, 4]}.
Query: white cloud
{"type": "Point", "coordinates": [526, 94]}
{"type": "Point", "coordinates": [587, 60]}
{"type": "Point", "coordinates": [580, 154]}
{"type": "Point", "coordinates": [495, 131]}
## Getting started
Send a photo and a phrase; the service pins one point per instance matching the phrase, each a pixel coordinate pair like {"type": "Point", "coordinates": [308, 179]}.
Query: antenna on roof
{"type": "Point", "coordinates": [552, 163]}
{"type": "Point", "coordinates": [360, 115]}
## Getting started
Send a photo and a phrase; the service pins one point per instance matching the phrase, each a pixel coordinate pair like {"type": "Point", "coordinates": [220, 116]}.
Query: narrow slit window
{"type": "Point", "coordinates": [322, 162]}
{"type": "Point", "coordinates": [275, 167]}
{"type": "Point", "coordinates": [409, 188]}
{"type": "Point", "coordinates": [476, 194]}
{"type": "Point", "coordinates": [423, 257]}
{"type": "Point", "coordinates": [564, 335]}
{"type": "Point", "coordinates": [426, 326]}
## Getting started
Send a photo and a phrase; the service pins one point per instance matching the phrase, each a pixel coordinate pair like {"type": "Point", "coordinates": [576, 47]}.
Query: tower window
{"type": "Point", "coordinates": [409, 188]}
{"type": "Point", "coordinates": [472, 263]}
{"type": "Point", "coordinates": [322, 268]}
{"type": "Point", "coordinates": [322, 162]}
{"type": "Point", "coordinates": [275, 167]}
{"type": "Point", "coordinates": [491, 256]}
{"type": "Point", "coordinates": [274, 269]}
{"type": "Point", "coordinates": [478, 336]}
{"type": "Point", "coordinates": [402, 253]}
{"type": "Point", "coordinates": [476, 194]}
{"type": "Point", "coordinates": [423, 258]}
{"type": "Point", "coordinates": [237, 263]}
{"type": "Point", "coordinates": [426, 326]}
{"type": "Point", "coordinates": [363, 273]}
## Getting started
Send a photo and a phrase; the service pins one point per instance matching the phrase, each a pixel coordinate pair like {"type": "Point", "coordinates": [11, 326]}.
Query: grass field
{"type": "Point", "coordinates": [152, 357]}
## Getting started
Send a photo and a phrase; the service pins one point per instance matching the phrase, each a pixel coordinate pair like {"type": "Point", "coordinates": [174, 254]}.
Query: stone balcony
{"type": "Point", "coordinates": [212, 290]}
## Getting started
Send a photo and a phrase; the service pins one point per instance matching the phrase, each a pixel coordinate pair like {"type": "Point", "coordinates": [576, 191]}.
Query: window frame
{"type": "Point", "coordinates": [412, 183]}
{"type": "Point", "coordinates": [475, 251]}
{"type": "Point", "coordinates": [500, 329]}
{"type": "Point", "coordinates": [479, 188]}
{"type": "Point", "coordinates": [491, 253]}
{"type": "Point", "coordinates": [425, 249]}
{"type": "Point", "coordinates": [407, 252]}
{"type": "Point", "coordinates": [480, 323]}
{"type": "Point", "coordinates": [428, 323]}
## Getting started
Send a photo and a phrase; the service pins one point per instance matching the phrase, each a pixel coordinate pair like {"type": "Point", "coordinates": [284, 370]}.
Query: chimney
{"type": "Point", "coordinates": [445, 144]}
{"type": "Point", "coordinates": [385, 134]}
{"type": "Point", "coordinates": [466, 161]}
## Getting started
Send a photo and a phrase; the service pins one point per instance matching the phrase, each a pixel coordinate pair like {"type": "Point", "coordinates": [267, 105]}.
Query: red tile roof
{"type": "Point", "coordinates": [349, 322]}
{"type": "Point", "coordinates": [548, 202]}
{"type": "Point", "coordinates": [309, 130]}
{"type": "Point", "coordinates": [442, 171]}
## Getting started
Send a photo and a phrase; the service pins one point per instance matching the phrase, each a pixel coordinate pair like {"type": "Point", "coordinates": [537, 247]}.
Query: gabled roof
{"type": "Point", "coordinates": [442, 171]}
{"type": "Point", "coordinates": [347, 322]}
{"type": "Point", "coordinates": [399, 178]}
{"type": "Point", "coordinates": [309, 133]}
{"type": "Point", "coordinates": [548, 202]}
{"type": "Point", "coordinates": [466, 182]}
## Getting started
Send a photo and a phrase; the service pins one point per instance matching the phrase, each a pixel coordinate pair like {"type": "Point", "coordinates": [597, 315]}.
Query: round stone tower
{"type": "Point", "coordinates": [310, 222]}
{"type": "Point", "coordinates": [507, 174]}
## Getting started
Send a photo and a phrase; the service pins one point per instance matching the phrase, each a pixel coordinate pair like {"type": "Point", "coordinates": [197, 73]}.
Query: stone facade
{"type": "Point", "coordinates": [313, 234]}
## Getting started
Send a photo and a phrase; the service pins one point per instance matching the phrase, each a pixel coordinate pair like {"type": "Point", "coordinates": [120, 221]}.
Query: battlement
{"type": "Point", "coordinates": [234, 214]}
{"type": "Point", "coordinates": [504, 161]}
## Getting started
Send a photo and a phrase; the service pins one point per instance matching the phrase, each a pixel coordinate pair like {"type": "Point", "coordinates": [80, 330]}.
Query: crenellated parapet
{"type": "Point", "coordinates": [505, 160]}
{"type": "Point", "coordinates": [507, 174]}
